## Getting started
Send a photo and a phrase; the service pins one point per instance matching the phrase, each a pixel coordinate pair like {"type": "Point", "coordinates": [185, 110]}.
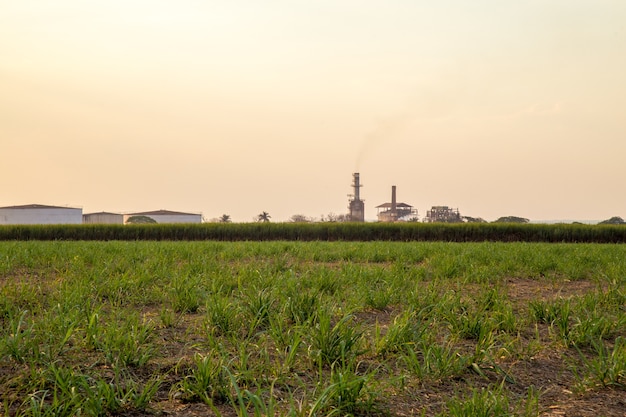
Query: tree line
{"type": "Point", "coordinates": [264, 217]}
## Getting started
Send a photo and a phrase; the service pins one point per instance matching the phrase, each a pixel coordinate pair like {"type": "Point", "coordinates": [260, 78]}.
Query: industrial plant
{"type": "Point", "coordinates": [396, 211]}
{"type": "Point", "coordinates": [387, 212]}
{"type": "Point", "coordinates": [443, 214]}
{"type": "Point", "coordinates": [356, 206]}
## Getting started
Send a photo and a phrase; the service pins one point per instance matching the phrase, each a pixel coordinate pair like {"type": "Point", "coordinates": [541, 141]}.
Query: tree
{"type": "Point", "coordinates": [300, 218]}
{"type": "Point", "coordinates": [140, 220]}
{"type": "Point", "coordinates": [512, 219]}
{"type": "Point", "coordinates": [613, 220]}
{"type": "Point", "coordinates": [342, 218]}
{"type": "Point", "coordinates": [333, 217]}
{"type": "Point", "coordinates": [264, 217]}
{"type": "Point", "coordinates": [468, 219]}
{"type": "Point", "coordinates": [225, 218]}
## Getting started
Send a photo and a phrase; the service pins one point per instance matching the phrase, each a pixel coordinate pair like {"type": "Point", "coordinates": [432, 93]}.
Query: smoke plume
{"type": "Point", "coordinates": [383, 132]}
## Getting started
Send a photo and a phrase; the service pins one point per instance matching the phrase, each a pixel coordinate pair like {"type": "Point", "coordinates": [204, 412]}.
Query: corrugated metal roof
{"type": "Point", "coordinates": [38, 206]}
{"type": "Point", "coordinates": [163, 213]}
{"type": "Point", "coordinates": [103, 212]}
{"type": "Point", "coordinates": [398, 205]}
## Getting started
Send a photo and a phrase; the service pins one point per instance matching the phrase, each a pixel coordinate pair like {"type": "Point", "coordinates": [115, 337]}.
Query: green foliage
{"type": "Point", "coordinates": [74, 393]}
{"type": "Point", "coordinates": [431, 361]}
{"type": "Point", "coordinates": [403, 333]}
{"type": "Point", "coordinates": [297, 328]}
{"type": "Point", "coordinates": [335, 344]}
{"type": "Point", "coordinates": [301, 307]}
{"type": "Point", "coordinates": [469, 219]}
{"type": "Point", "coordinates": [511, 219]}
{"type": "Point", "coordinates": [127, 343]}
{"type": "Point", "coordinates": [480, 403]}
{"type": "Point", "coordinates": [258, 304]}
{"type": "Point", "coordinates": [224, 230]}
{"type": "Point", "coordinates": [378, 297]}
{"type": "Point", "coordinates": [222, 316]}
{"type": "Point", "coordinates": [206, 381]}
{"type": "Point", "coordinates": [19, 342]}
{"type": "Point", "coordinates": [245, 399]}
{"type": "Point", "coordinates": [347, 394]}
{"type": "Point", "coordinates": [613, 220]}
{"type": "Point", "coordinates": [140, 220]}
{"type": "Point", "coordinates": [187, 294]}
{"type": "Point", "coordinates": [264, 217]}
{"type": "Point", "coordinates": [608, 367]}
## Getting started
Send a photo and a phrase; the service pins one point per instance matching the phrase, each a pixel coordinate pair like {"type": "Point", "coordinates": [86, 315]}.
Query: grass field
{"type": "Point", "coordinates": [325, 231]}
{"type": "Point", "coordinates": [312, 329]}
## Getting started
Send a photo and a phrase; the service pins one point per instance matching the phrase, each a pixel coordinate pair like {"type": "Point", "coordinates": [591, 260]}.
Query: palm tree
{"type": "Point", "coordinates": [264, 217]}
{"type": "Point", "coordinates": [225, 218]}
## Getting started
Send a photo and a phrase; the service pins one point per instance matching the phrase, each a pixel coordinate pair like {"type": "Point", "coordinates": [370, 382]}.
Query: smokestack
{"type": "Point", "coordinates": [356, 205]}
{"type": "Point", "coordinates": [394, 205]}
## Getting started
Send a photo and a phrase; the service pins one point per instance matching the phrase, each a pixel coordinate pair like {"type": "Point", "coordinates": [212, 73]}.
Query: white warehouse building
{"type": "Point", "coordinates": [166, 216]}
{"type": "Point", "coordinates": [103, 217]}
{"type": "Point", "coordinates": [40, 214]}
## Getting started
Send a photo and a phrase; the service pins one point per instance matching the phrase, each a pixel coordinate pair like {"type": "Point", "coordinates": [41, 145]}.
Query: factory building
{"type": "Point", "coordinates": [103, 217]}
{"type": "Point", "coordinates": [394, 211]}
{"type": "Point", "coordinates": [40, 214]}
{"type": "Point", "coordinates": [443, 214]}
{"type": "Point", "coordinates": [167, 216]}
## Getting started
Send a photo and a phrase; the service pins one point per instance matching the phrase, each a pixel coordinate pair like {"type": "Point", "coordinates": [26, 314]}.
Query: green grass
{"type": "Point", "coordinates": [308, 328]}
{"type": "Point", "coordinates": [403, 232]}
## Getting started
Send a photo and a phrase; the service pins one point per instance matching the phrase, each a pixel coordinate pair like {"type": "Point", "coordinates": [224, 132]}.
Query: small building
{"type": "Point", "coordinates": [167, 216]}
{"type": "Point", "coordinates": [443, 214]}
{"type": "Point", "coordinates": [103, 217]}
{"type": "Point", "coordinates": [40, 214]}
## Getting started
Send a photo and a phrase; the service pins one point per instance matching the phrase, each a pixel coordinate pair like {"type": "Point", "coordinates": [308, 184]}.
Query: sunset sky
{"type": "Point", "coordinates": [496, 108]}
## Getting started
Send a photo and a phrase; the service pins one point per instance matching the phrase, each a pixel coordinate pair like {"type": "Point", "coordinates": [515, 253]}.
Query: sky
{"type": "Point", "coordinates": [496, 108]}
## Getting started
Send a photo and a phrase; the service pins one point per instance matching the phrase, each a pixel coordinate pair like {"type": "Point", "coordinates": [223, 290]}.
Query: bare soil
{"type": "Point", "coordinates": [547, 368]}
{"type": "Point", "coordinates": [548, 371]}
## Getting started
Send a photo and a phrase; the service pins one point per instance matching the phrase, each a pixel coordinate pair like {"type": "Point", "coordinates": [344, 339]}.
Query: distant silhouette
{"type": "Point", "coordinates": [613, 220]}
{"type": "Point", "coordinates": [512, 219]}
{"type": "Point", "coordinates": [264, 217]}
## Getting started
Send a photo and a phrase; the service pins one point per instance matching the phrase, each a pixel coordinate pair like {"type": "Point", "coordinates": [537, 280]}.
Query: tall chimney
{"type": "Point", "coordinates": [356, 185]}
{"type": "Point", "coordinates": [394, 205]}
{"type": "Point", "coordinates": [356, 205]}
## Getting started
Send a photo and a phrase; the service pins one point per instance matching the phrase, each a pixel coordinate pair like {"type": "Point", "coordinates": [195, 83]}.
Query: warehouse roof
{"type": "Point", "coordinates": [163, 213]}
{"type": "Point", "coordinates": [398, 205]}
{"type": "Point", "coordinates": [37, 206]}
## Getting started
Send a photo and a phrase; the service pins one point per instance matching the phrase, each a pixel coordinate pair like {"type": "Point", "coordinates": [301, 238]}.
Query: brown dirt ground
{"type": "Point", "coordinates": [547, 370]}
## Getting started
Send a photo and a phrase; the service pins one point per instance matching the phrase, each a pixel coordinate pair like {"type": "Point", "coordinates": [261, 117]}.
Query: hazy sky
{"type": "Point", "coordinates": [236, 107]}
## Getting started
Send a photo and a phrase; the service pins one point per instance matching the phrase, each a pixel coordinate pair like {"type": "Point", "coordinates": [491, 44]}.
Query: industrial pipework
{"type": "Point", "coordinates": [356, 206]}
